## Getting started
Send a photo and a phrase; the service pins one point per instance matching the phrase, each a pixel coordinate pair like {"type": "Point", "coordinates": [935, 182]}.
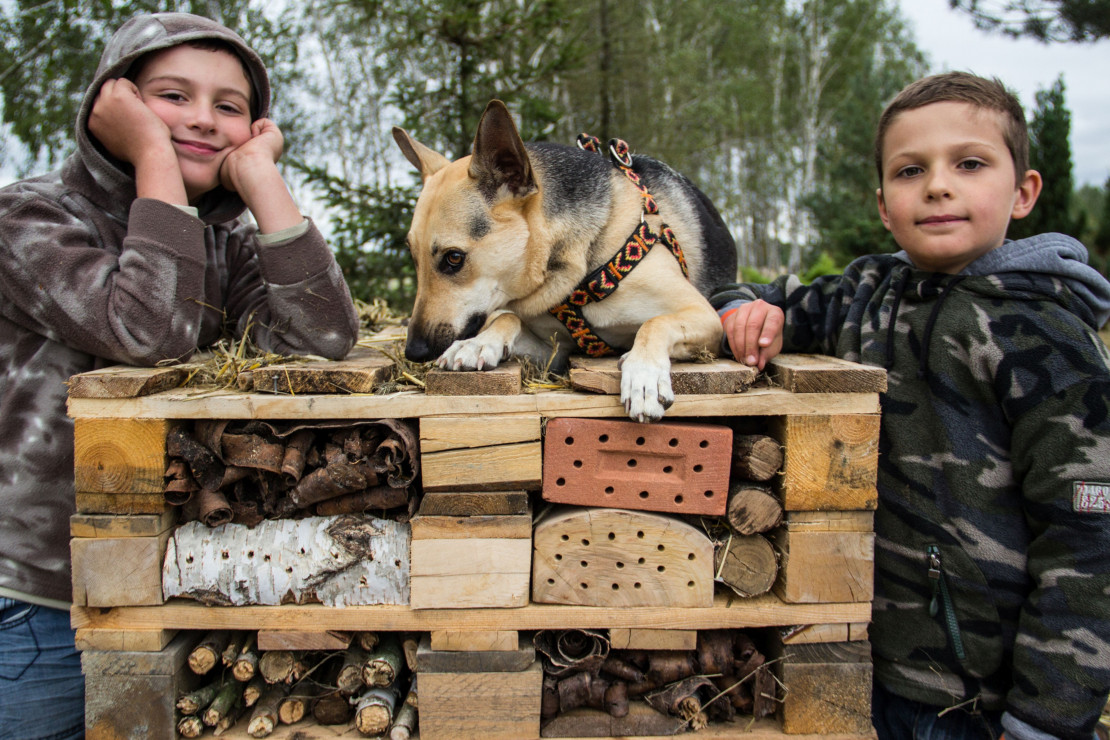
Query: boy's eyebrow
{"type": "Point", "coordinates": [186, 82]}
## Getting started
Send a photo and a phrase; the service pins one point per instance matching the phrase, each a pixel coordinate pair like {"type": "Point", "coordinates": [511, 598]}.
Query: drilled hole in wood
{"type": "Point", "coordinates": [689, 584]}
{"type": "Point", "coordinates": [632, 462]}
{"type": "Point", "coordinates": [678, 499]}
{"type": "Point", "coordinates": [640, 535]}
{"type": "Point", "coordinates": [641, 561]}
{"type": "Point", "coordinates": [189, 559]}
{"type": "Point", "coordinates": [603, 438]}
{"type": "Point", "coordinates": [616, 587]}
{"type": "Point", "coordinates": [225, 556]}
{"type": "Point", "coordinates": [584, 585]}
{"type": "Point", "coordinates": [396, 563]}
{"type": "Point", "coordinates": [250, 553]}
{"type": "Point", "coordinates": [569, 440]}
{"type": "Point", "coordinates": [635, 585]}
{"type": "Point", "coordinates": [612, 535]}
{"type": "Point", "coordinates": [551, 581]}
{"type": "Point", "coordinates": [585, 543]}
{"type": "Point", "coordinates": [558, 556]}
{"type": "Point", "coordinates": [566, 537]}
{"type": "Point", "coordinates": [266, 558]}
{"type": "Point", "coordinates": [661, 568]}
{"type": "Point", "coordinates": [620, 564]}
{"type": "Point", "coordinates": [660, 548]}
{"type": "Point", "coordinates": [691, 556]}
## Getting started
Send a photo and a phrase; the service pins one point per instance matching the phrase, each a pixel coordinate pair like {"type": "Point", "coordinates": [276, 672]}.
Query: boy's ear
{"type": "Point", "coordinates": [882, 208]}
{"type": "Point", "coordinates": [1028, 190]}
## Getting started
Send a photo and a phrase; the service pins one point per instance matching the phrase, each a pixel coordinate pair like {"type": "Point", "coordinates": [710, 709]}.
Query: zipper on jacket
{"type": "Point", "coordinates": [940, 589]}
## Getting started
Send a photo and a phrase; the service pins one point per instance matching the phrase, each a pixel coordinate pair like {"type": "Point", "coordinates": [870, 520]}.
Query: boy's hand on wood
{"type": "Point", "coordinates": [125, 126]}
{"type": "Point", "coordinates": [254, 159]}
{"type": "Point", "coordinates": [754, 332]}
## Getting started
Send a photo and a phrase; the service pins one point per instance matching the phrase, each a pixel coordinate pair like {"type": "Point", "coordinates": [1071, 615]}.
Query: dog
{"type": "Point", "coordinates": [502, 236]}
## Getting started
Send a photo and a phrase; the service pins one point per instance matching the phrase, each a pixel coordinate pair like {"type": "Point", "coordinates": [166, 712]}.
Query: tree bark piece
{"type": "Point", "coordinates": [207, 653]}
{"type": "Point", "coordinates": [756, 457]}
{"type": "Point", "coordinates": [374, 711]}
{"type": "Point", "coordinates": [384, 663]}
{"type": "Point", "coordinates": [246, 662]}
{"type": "Point", "coordinates": [264, 718]}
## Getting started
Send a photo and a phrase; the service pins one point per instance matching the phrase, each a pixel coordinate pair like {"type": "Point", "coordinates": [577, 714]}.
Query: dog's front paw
{"type": "Point", "coordinates": [645, 388]}
{"type": "Point", "coordinates": [475, 353]}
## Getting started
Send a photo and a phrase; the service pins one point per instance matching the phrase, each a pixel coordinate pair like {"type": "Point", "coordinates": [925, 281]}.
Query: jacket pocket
{"type": "Point", "coordinates": [962, 604]}
{"type": "Point", "coordinates": [19, 648]}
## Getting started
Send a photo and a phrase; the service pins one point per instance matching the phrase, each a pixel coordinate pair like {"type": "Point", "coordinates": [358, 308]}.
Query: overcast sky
{"type": "Point", "coordinates": [951, 42]}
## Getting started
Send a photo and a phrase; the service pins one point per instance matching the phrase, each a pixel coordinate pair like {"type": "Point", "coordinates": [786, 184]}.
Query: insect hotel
{"type": "Point", "coordinates": [301, 555]}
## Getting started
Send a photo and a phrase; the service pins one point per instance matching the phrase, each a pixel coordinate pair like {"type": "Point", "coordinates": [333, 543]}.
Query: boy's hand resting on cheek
{"type": "Point", "coordinates": [754, 332]}
{"type": "Point", "coordinates": [254, 159]}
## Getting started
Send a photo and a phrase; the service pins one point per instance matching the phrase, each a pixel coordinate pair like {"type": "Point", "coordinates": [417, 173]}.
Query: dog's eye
{"type": "Point", "coordinates": [452, 261]}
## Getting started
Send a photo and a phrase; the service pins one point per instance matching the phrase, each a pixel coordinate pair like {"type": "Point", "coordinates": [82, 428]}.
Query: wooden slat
{"type": "Point", "coordinates": [109, 525]}
{"type": "Point", "coordinates": [488, 705]}
{"type": "Point", "coordinates": [121, 503]}
{"type": "Point", "coordinates": [503, 380]}
{"type": "Point", "coordinates": [124, 571]}
{"type": "Point", "coordinates": [361, 371]}
{"type": "Point", "coordinates": [810, 633]}
{"type": "Point", "coordinates": [827, 687]}
{"type": "Point", "coordinates": [824, 374]}
{"type": "Point", "coordinates": [825, 566]}
{"type": "Point", "coordinates": [217, 404]}
{"type": "Point", "coordinates": [439, 433]}
{"type": "Point", "coordinates": [304, 639]}
{"type": "Point", "coordinates": [516, 527]}
{"type": "Point", "coordinates": [126, 382]}
{"type": "Point", "coordinates": [623, 638]}
{"type": "Point", "coordinates": [600, 375]}
{"type": "Point", "coordinates": [726, 612]}
{"type": "Point", "coordinates": [123, 640]}
{"type": "Point", "coordinates": [496, 468]}
{"type": "Point", "coordinates": [516, 657]}
{"type": "Point", "coordinates": [475, 640]}
{"type": "Point", "coordinates": [473, 503]}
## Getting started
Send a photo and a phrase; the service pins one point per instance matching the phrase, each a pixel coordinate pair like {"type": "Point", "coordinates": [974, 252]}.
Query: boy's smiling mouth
{"type": "Point", "coordinates": [940, 220]}
{"type": "Point", "coordinates": [196, 147]}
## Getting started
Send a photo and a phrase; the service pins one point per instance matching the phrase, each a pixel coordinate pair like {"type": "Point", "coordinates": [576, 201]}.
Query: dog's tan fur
{"type": "Point", "coordinates": [520, 256]}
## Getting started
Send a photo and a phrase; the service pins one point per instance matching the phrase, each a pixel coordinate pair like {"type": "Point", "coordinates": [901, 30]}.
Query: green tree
{"type": "Point", "coordinates": [1050, 155]}
{"type": "Point", "coordinates": [1100, 244]}
{"type": "Point", "coordinates": [1046, 20]}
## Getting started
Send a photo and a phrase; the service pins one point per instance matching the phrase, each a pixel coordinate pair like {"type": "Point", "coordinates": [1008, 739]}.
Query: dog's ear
{"type": "Point", "coordinates": [499, 155]}
{"type": "Point", "coordinates": [425, 160]}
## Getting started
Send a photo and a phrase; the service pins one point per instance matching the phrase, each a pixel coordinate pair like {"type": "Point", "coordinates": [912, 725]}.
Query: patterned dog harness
{"type": "Point", "coordinates": [604, 280]}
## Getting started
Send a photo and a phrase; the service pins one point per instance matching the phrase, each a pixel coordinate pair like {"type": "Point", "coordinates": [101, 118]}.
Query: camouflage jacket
{"type": "Point", "coordinates": [92, 276]}
{"type": "Point", "coordinates": [992, 562]}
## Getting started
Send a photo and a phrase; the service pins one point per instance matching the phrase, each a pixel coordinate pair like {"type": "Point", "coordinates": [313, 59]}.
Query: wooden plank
{"type": "Point", "coordinates": [503, 380]}
{"type": "Point", "coordinates": [623, 638]}
{"type": "Point", "coordinates": [810, 633]}
{"type": "Point", "coordinates": [362, 370]}
{"type": "Point", "coordinates": [108, 525]}
{"type": "Point", "coordinates": [726, 612]}
{"type": "Point", "coordinates": [825, 374]}
{"type": "Point", "coordinates": [517, 658]}
{"type": "Point", "coordinates": [132, 694]}
{"type": "Point", "coordinates": [640, 721]}
{"type": "Point", "coordinates": [489, 705]}
{"type": "Point", "coordinates": [438, 433]}
{"type": "Point", "coordinates": [828, 566]}
{"type": "Point", "coordinates": [120, 381]}
{"type": "Point", "coordinates": [517, 526]}
{"type": "Point", "coordinates": [304, 639]}
{"type": "Point", "coordinates": [619, 558]}
{"type": "Point", "coordinates": [190, 403]}
{"type": "Point", "coordinates": [121, 503]}
{"type": "Point", "coordinates": [600, 375]}
{"type": "Point", "coordinates": [120, 455]}
{"type": "Point", "coordinates": [827, 687]}
{"type": "Point", "coordinates": [831, 462]}
{"type": "Point", "coordinates": [468, 573]}
{"type": "Point", "coordinates": [474, 640]}
{"type": "Point", "coordinates": [455, 557]}
{"type": "Point", "coordinates": [118, 571]}
{"type": "Point", "coordinates": [474, 503]}
{"type": "Point", "coordinates": [830, 521]}
{"type": "Point", "coordinates": [496, 468]}
{"type": "Point", "coordinates": [123, 640]}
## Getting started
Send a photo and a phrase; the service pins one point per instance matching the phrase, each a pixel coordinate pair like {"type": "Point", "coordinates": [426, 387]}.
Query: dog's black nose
{"type": "Point", "coordinates": [417, 349]}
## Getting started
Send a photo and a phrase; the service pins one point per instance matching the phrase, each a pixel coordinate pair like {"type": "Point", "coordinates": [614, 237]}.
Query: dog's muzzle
{"type": "Point", "coordinates": [425, 346]}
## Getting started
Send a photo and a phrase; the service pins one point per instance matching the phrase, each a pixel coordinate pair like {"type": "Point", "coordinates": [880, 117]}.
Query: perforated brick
{"type": "Point", "coordinates": [674, 467]}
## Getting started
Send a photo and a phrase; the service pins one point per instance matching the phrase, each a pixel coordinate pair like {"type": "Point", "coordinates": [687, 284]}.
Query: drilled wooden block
{"type": "Point", "coordinates": [620, 558]}
{"type": "Point", "coordinates": [677, 468]}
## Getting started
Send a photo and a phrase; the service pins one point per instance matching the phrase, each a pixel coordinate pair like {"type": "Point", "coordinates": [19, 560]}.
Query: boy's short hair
{"type": "Point", "coordinates": [227, 47]}
{"type": "Point", "coordinates": [961, 87]}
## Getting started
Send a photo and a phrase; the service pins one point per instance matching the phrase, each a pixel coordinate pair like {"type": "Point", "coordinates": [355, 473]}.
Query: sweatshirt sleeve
{"type": "Point", "coordinates": [1061, 455]}
{"type": "Point", "coordinates": [128, 303]}
{"type": "Point", "coordinates": [813, 313]}
{"type": "Point", "coordinates": [290, 296]}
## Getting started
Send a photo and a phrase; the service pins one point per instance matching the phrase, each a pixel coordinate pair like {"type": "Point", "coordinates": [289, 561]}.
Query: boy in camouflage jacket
{"type": "Point", "coordinates": [992, 562]}
{"type": "Point", "coordinates": [134, 252]}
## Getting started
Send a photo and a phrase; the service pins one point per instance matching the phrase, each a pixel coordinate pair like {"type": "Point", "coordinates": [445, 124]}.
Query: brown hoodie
{"type": "Point", "coordinates": [91, 276]}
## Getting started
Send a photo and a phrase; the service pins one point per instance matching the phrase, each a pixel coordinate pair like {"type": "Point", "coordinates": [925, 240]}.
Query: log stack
{"type": "Point", "coordinates": [780, 562]}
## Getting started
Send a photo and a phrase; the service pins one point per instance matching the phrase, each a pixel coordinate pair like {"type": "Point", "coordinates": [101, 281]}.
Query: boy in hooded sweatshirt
{"type": "Point", "coordinates": [992, 561]}
{"type": "Point", "coordinates": [133, 252]}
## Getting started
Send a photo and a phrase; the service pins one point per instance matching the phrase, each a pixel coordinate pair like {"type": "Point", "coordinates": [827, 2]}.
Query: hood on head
{"type": "Point", "coordinates": [139, 36]}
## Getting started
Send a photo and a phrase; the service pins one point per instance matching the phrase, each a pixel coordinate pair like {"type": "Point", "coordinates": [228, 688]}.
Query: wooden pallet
{"type": "Point", "coordinates": [480, 454]}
